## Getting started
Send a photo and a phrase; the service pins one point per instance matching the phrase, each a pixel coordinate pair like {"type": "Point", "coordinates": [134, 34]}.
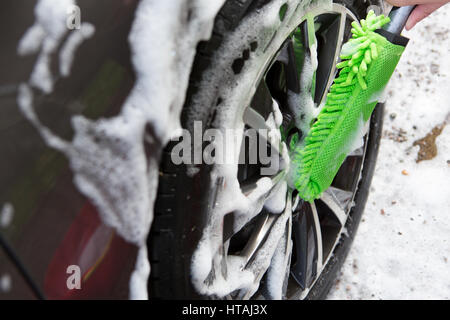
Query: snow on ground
{"type": "Point", "coordinates": [402, 248]}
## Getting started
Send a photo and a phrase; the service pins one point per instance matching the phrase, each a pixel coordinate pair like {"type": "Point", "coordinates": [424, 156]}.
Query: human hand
{"type": "Point", "coordinates": [423, 10]}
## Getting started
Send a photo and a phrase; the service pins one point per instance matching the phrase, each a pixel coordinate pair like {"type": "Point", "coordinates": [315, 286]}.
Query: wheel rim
{"type": "Point", "coordinates": [315, 227]}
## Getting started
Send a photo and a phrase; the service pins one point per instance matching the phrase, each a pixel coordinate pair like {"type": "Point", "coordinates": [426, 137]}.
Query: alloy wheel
{"type": "Point", "coordinates": [315, 228]}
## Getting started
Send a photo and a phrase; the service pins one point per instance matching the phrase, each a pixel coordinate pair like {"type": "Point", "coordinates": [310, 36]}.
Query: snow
{"type": "Point", "coordinates": [401, 250]}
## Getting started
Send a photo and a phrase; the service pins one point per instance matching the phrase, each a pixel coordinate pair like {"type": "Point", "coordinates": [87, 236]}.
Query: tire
{"type": "Point", "coordinates": [182, 204]}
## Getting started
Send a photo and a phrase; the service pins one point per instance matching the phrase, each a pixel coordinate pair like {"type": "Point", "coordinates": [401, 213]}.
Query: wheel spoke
{"type": "Point", "coordinates": [276, 225]}
{"type": "Point", "coordinates": [331, 200]}
{"type": "Point", "coordinates": [292, 71]}
{"type": "Point", "coordinates": [309, 42]}
{"type": "Point", "coordinates": [263, 227]}
{"type": "Point", "coordinates": [334, 33]}
{"type": "Point", "coordinates": [308, 243]}
{"type": "Point", "coordinates": [262, 101]}
{"type": "Point", "coordinates": [357, 152]}
{"type": "Point", "coordinates": [232, 224]}
{"type": "Point", "coordinates": [279, 270]}
{"type": "Point", "coordinates": [254, 119]}
{"type": "Point", "coordinates": [328, 56]}
{"type": "Point", "coordinates": [311, 45]}
{"type": "Point", "coordinates": [319, 237]}
{"type": "Point", "coordinates": [250, 185]}
{"type": "Point", "coordinates": [348, 174]}
{"type": "Point", "coordinates": [337, 51]}
{"type": "Point", "coordinates": [333, 215]}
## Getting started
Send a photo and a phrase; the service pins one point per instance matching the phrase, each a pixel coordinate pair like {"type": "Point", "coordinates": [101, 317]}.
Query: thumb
{"type": "Point", "coordinates": [421, 12]}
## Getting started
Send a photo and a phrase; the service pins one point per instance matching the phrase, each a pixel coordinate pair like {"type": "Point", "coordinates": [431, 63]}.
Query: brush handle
{"type": "Point", "coordinates": [399, 16]}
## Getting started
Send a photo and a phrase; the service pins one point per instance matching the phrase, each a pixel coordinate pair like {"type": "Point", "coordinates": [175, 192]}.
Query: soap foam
{"type": "Point", "coordinates": [107, 156]}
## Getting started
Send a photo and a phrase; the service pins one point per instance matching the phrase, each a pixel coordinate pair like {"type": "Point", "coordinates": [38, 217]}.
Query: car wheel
{"type": "Point", "coordinates": [225, 230]}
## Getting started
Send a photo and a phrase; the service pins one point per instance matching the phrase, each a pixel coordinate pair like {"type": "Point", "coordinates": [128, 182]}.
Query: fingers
{"type": "Point", "coordinates": [401, 3]}
{"type": "Point", "coordinates": [421, 12]}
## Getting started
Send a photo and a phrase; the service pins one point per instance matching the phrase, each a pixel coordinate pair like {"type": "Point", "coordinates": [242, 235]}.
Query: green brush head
{"type": "Point", "coordinates": [368, 62]}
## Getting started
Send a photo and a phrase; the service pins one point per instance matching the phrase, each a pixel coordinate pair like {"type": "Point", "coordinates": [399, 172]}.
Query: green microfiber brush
{"type": "Point", "coordinates": [368, 62]}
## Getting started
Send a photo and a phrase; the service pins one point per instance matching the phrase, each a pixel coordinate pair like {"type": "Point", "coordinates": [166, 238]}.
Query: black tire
{"type": "Point", "coordinates": [181, 204]}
